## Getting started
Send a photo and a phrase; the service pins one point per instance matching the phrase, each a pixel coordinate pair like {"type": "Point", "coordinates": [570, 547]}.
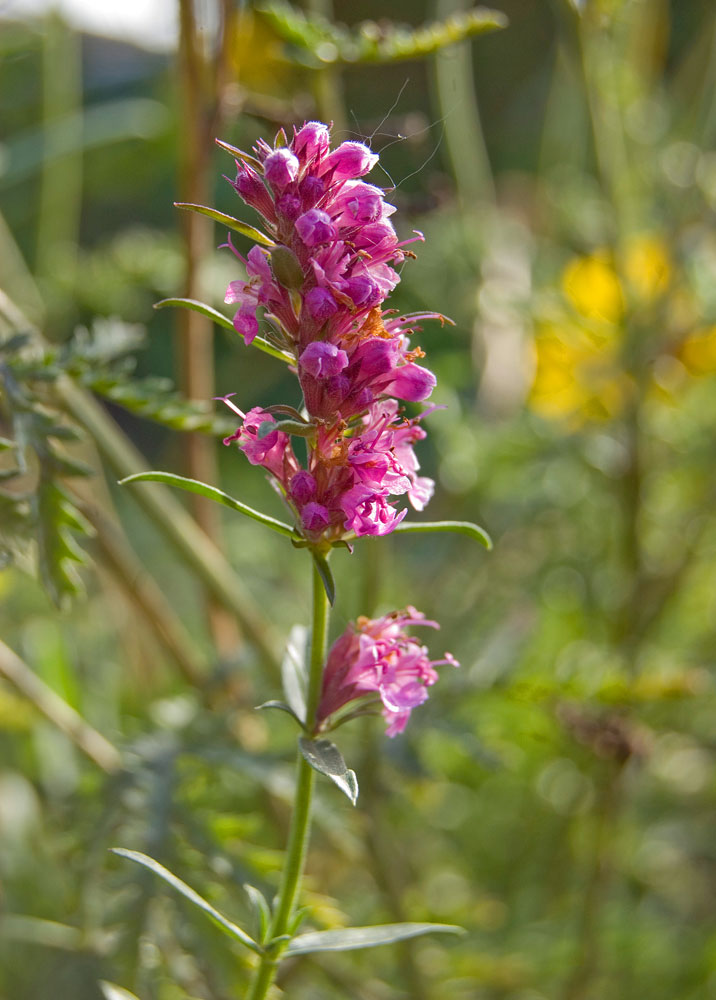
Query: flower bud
{"type": "Point", "coordinates": [315, 516]}
{"type": "Point", "coordinates": [315, 227]}
{"type": "Point", "coordinates": [351, 159]}
{"type": "Point", "coordinates": [322, 359]}
{"type": "Point", "coordinates": [310, 189]}
{"type": "Point", "coordinates": [290, 206]}
{"type": "Point", "coordinates": [411, 382]}
{"type": "Point", "coordinates": [281, 168]}
{"type": "Point", "coordinates": [320, 304]}
{"type": "Point", "coordinates": [302, 487]}
{"type": "Point", "coordinates": [311, 140]}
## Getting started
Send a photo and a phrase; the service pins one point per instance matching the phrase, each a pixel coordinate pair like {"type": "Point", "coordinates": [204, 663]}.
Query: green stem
{"type": "Point", "coordinates": [301, 819]}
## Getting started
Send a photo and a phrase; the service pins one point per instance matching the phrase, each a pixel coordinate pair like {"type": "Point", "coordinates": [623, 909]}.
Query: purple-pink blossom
{"type": "Point", "coordinates": [319, 287]}
{"type": "Point", "coordinates": [379, 657]}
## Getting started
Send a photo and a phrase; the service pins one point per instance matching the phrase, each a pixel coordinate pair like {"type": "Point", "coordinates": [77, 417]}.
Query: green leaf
{"type": "Point", "coordinates": [112, 992]}
{"type": "Point", "coordinates": [324, 571]}
{"type": "Point", "coordinates": [325, 757]}
{"type": "Point", "coordinates": [261, 908]}
{"type": "Point", "coordinates": [350, 938]}
{"type": "Point", "coordinates": [229, 221]}
{"type": "Point", "coordinates": [190, 894]}
{"type": "Point", "coordinates": [211, 493]}
{"type": "Point", "coordinates": [221, 320]}
{"type": "Point", "coordinates": [282, 707]}
{"type": "Point", "coordinates": [294, 670]}
{"type": "Point", "coordinates": [457, 527]}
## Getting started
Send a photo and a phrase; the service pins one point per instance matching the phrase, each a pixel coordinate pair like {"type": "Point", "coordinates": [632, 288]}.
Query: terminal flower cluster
{"type": "Point", "coordinates": [320, 283]}
{"type": "Point", "coordinates": [377, 656]}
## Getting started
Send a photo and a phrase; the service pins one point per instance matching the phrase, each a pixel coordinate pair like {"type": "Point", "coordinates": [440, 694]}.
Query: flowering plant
{"type": "Point", "coordinates": [321, 268]}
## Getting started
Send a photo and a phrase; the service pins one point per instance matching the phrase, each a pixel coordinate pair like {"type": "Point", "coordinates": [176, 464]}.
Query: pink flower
{"type": "Point", "coordinates": [322, 297]}
{"type": "Point", "coordinates": [377, 656]}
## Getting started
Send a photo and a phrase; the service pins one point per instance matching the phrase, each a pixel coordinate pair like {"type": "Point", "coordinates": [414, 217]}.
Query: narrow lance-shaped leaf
{"type": "Point", "coordinates": [326, 758]}
{"type": "Point", "coordinates": [190, 894]}
{"type": "Point", "coordinates": [261, 909]}
{"type": "Point", "coordinates": [324, 571]}
{"type": "Point", "coordinates": [201, 307]}
{"type": "Point", "coordinates": [227, 220]}
{"type": "Point", "coordinates": [204, 490]}
{"type": "Point", "coordinates": [351, 938]}
{"type": "Point", "coordinates": [457, 527]}
{"type": "Point", "coordinates": [282, 707]}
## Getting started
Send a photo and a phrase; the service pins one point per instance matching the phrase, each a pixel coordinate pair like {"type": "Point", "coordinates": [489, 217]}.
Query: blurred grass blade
{"type": "Point", "coordinates": [227, 220]}
{"type": "Point", "coordinates": [190, 894]}
{"type": "Point", "coordinates": [351, 938]}
{"type": "Point", "coordinates": [211, 493]}
{"type": "Point", "coordinates": [221, 320]}
{"type": "Point", "coordinates": [457, 527]}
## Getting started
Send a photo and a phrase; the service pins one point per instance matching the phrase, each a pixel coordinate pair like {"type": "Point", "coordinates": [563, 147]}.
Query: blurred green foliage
{"type": "Point", "coordinates": [557, 794]}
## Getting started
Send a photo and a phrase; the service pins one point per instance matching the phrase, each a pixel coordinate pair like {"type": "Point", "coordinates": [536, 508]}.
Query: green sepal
{"type": "Point", "coordinates": [176, 883]}
{"type": "Point", "coordinates": [325, 757]}
{"type": "Point", "coordinates": [227, 220]}
{"type": "Point", "coordinates": [351, 938]}
{"type": "Point", "coordinates": [205, 310]}
{"type": "Point", "coordinates": [286, 267]}
{"type": "Point", "coordinates": [299, 428]}
{"type": "Point", "coordinates": [211, 493]}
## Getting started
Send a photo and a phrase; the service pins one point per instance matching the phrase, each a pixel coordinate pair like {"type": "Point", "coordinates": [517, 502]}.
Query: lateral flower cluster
{"type": "Point", "coordinates": [321, 282]}
{"type": "Point", "coordinates": [377, 656]}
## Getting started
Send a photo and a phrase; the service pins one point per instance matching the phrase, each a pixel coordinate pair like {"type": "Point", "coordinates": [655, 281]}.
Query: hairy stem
{"type": "Point", "coordinates": [301, 818]}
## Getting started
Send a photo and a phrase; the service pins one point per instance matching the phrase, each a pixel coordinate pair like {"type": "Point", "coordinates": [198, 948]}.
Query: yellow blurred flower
{"type": "Point", "coordinates": [647, 267]}
{"type": "Point", "coordinates": [592, 287]}
{"type": "Point", "coordinates": [576, 375]}
{"type": "Point", "coordinates": [698, 352]}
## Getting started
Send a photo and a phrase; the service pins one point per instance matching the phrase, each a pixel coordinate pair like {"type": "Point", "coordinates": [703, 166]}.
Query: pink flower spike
{"type": "Point", "coordinates": [378, 656]}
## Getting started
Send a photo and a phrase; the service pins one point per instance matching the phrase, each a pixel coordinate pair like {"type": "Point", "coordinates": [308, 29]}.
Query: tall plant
{"type": "Point", "coordinates": [318, 279]}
